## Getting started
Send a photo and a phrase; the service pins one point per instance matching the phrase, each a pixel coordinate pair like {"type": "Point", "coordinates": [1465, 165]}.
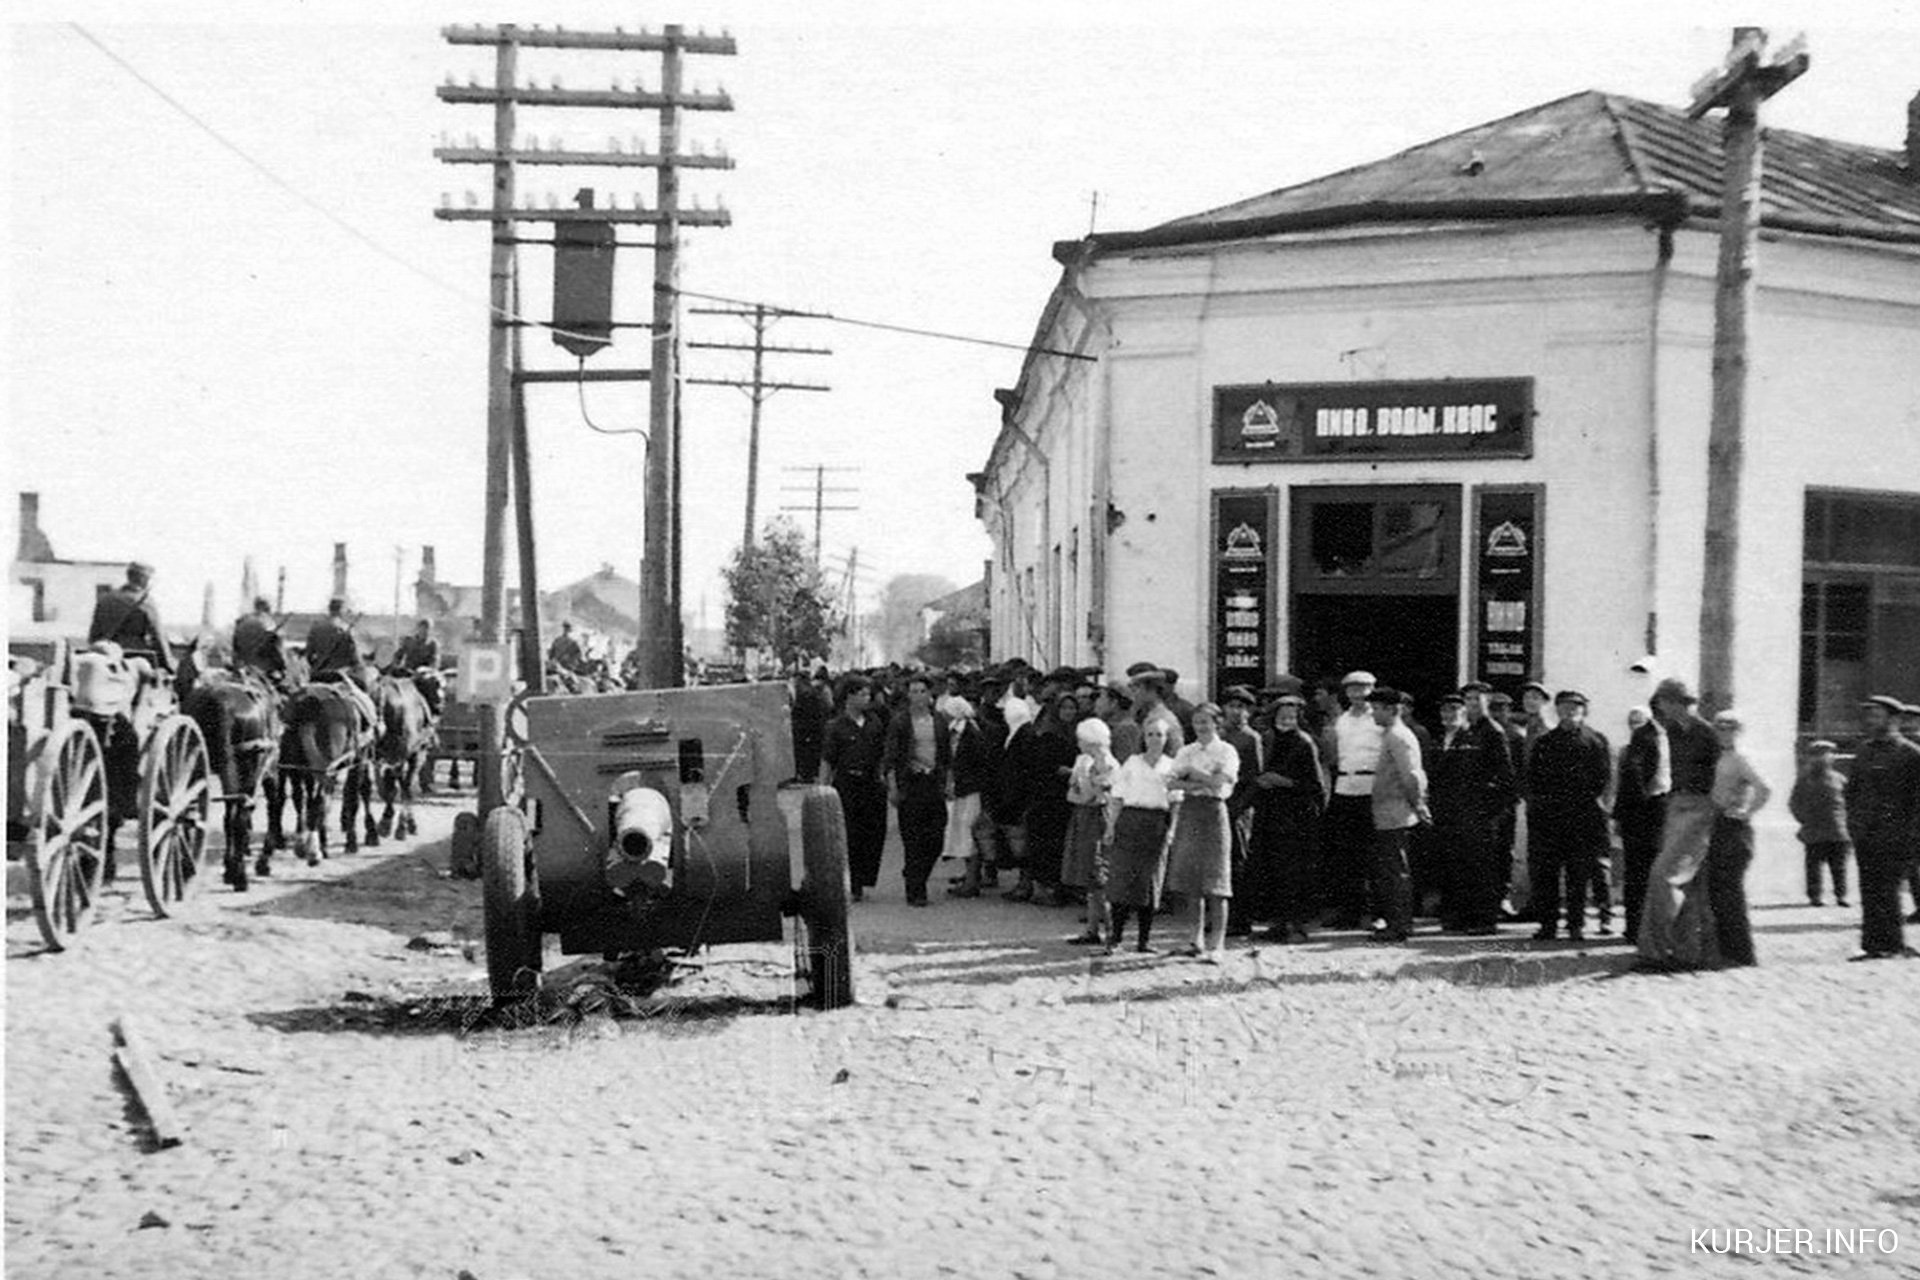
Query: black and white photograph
{"type": "Point", "coordinates": [982, 641]}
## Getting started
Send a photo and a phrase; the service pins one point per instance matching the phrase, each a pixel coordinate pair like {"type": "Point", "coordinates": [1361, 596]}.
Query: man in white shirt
{"type": "Point", "coordinates": [1349, 821]}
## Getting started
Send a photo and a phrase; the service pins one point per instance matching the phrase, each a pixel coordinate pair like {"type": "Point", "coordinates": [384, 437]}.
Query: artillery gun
{"type": "Point", "coordinates": [653, 821]}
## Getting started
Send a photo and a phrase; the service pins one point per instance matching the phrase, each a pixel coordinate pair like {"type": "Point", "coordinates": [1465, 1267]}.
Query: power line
{"type": "Point", "coordinates": [944, 336]}
{"type": "Point", "coordinates": [509, 315]}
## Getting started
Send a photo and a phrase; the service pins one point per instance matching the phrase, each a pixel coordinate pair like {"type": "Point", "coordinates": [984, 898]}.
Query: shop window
{"type": "Point", "coordinates": [1341, 539]}
{"type": "Point", "coordinates": [1391, 538]}
{"type": "Point", "coordinates": [1859, 606]}
{"type": "Point", "coordinates": [1410, 544]}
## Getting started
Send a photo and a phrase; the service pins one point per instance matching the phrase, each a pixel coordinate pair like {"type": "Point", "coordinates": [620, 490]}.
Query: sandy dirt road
{"type": "Point", "coordinates": [1000, 1104]}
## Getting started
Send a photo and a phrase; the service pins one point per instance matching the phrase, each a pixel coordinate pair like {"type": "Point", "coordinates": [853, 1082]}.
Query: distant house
{"type": "Point", "coordinates": [52, 599]}
{"type": "Point", "coordinates": [604, 608]}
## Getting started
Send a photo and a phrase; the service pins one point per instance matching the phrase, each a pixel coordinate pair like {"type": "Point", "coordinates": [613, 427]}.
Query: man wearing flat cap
{"type": "Point", "coordinates": [1399, 806]}
{"type": "Point", "coordinates": [1150, 689]}
{"type": "Point", "coordinates": [1883, 816]}
{"type": "Point", "coordinates": [1570, 776]}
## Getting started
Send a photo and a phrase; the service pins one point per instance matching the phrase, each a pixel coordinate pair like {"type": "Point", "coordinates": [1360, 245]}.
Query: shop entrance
{"type": "Point", "coordinates": [1375, 585]}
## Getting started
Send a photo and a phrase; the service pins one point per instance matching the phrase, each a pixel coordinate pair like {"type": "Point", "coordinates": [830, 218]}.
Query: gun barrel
{"type": "Point", "coordinates": [642, 842]}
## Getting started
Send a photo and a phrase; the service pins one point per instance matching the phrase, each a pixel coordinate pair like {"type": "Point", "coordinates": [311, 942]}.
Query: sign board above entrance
{"type": "Point", "coordinates": [1316, 421]}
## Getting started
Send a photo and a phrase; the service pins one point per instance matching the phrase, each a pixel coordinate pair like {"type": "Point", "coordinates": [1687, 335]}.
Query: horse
{"type": "Point", "coordinates": [326, 742]}
{"type": "Point", "coordinates": [239, 716]}
{"type": "Point", "coordinates": [405, 744]}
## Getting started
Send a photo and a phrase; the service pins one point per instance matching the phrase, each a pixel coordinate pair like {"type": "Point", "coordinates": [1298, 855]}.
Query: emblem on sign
{"type": "Point", "coordinates": [486, 675]}
{"type": "Point", "coordinates": [1259, 423]}
{"type": "Point", "coordinates": [1507, 540]}
{"type": "Point", "coordinates": [1243, 543]}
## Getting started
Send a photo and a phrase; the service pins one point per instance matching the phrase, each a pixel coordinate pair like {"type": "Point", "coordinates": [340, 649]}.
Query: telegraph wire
{"type": "Point", "coordinates": [414, 268]}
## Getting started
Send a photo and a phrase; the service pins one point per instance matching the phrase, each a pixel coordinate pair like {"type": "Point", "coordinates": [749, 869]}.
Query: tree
{"type": "Point", "coordinates": [895, 625]}
{"type": "Point", "coordinates": [776, 600]}
{"type": "Point", "coordinates": [955, 640]}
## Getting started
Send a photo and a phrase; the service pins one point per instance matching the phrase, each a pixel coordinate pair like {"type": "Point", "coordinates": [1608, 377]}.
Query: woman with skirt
{"type": "Point", "coordinates": [1137, 842]}
{"type": "Point", "coordinates": [1200, 854]}
{"type": "Point", "coordinates": [1738, 794]}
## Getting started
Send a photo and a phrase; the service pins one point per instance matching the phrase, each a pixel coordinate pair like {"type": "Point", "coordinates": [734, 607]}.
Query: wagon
{"type": "Point", "coordinates": [457, 733]}
{"type": "Point", "coordinates": [653, 822]}
{"type": "Point", "coordinates": [88, 748]}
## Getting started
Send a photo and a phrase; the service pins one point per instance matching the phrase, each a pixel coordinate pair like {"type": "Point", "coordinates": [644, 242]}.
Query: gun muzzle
{"type": "Point", "coordinates": [642, 843]}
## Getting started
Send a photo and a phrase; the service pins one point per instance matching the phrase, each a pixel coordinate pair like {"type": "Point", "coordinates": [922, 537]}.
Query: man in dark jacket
{"type": "Point", "coordinates": [1883, 816]}
{"type": "Point", "coordinates": [127, 616]}
{"type": "Point", "coordinates": [331, 651]}
{"type": "Point", "coordinates": [917, 762]}
{"type": "Point", "coordinates": [1236, 705]}
{"type": "Point", "coordinates": [851, 758]}
{"type": "Point", "coordinates": [1473, 796]}
{"type": "Point", "coordinates": [1289, 797]}
{"type": "Point", "coordinates": [256, 640]}
{"type": "Point", "coordinates": [1569, 772]}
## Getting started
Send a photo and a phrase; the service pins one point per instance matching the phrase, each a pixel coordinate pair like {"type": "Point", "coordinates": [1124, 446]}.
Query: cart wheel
{"type": "Point", "coordinates": [67, 854]}
{"type": "Point", "coordinates": [825, 898]}
{"type": "Point", "coordinates": [176, 795]}
{"type": "Point", "coordinates": [512, 906]}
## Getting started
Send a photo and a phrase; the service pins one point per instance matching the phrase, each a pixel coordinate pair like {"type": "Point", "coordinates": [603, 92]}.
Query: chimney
{"type": "Point", "coordinates": [206, 608]}
{"type": "Point", "coordinates": [249, 584]}
{"type": "Point", "coordinates": [340, 571]}
{"type": "Point", "coordinates": [33, 544]}
{"type": "Point", "coordinates": [280, 592]}
{"type": "Point", "coordinates": [426, 567]}
{"type": "Point", "coordinates": [1913, 137]}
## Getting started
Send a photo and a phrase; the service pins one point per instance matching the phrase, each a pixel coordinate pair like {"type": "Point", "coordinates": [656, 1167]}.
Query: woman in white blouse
{"type": "Point", "coordinates": [1137, 836]}
{"type": "Point", "coordinates": [1200, 856]}
{"type": "Point", "coordinates": [1738, 794]}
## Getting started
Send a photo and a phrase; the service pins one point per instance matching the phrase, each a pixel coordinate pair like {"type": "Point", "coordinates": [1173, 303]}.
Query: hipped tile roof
{"type": "Point", "coordinates": [1592, 152]}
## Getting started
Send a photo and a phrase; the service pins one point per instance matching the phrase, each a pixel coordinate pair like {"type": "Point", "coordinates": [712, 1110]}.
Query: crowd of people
{"type": "Point", "coordinates": [1299, 808]}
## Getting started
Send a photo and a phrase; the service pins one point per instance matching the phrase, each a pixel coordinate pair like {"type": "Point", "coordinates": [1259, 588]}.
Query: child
{"type": "Point", "coordinates": [1137, 836]}
{"type": "Point", "coordinates": [1085, 866]}
{"type": "Point", "coordinates": [1819, 805]}
{"type": "Point", "coordinates": [1200, 858]}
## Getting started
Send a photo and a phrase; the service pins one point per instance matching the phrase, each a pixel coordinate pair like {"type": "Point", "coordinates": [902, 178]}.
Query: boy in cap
{"type": "Point", "coordinates": [1818, 803]}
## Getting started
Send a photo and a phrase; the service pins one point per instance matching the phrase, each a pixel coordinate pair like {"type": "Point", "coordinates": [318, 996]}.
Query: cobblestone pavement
{"type": "Point", "coordinates": [1000, 1104]}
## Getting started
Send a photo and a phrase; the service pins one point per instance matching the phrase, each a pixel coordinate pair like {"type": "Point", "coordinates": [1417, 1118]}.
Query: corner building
{"type": "Point", "coordinates": [1445, 416]}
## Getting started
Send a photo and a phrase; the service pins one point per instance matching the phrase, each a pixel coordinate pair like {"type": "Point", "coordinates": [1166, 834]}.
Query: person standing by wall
{"type": "Point", "coordinates": [1479, 765]}
{"type": "Point", "coordinates": [1676, 921]}
{"type": "Point", "coordinates": [1569, 774]}
{"type": "Point", "coordinates": [1398, 804]}
{"type": "Point", "coordinates": [1818, 803]}
{"type": "Point", "coordinates": [1137, 841]}
{"type": "Point", "coordinates": [1640, 809]}
{"type": "Point", "coordinates": [1883, 816]}
{"type": "Point", "coordinates": [1500, 710]}
{"type": "Point", "coordinates": [1348, 841]}
{"type": "Point", "coordinates": [1236, 705]}
{"type": "Point", "coordinates": [1200, 854]}
{"type": "Point", "coordinates": [850, 758]}
{"type": "Point", "coordinates": [1738, 794]}
{"type": "Point", "coordinates": [918, 763]}
{"type": "Point", "coordinates": [1283, 861]}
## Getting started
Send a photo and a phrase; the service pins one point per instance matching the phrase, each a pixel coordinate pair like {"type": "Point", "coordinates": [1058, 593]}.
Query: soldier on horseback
{"type": "Point", "coordinates": [333, 658]}
{"type": "Point", "coordinates": [419, 657]}
{"type": "Point", "coordinates": [125, 625]}
{"type": "Point", "coordinates": [256, 637]}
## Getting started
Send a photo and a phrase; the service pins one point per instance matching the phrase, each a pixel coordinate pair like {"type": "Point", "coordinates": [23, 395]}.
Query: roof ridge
{"type": "Point", "coordinates": [1629, 148]}
{"type": "Point", "coordinates": [1387, 159]}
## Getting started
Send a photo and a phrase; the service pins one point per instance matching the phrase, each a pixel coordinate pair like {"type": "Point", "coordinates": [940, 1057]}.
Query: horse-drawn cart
{"type": "Point", "coordinates": [458, 734]}
{"type": "Point", "coordinates": [93, 742]}
{"type": "Point", "coordinates": [651, 822]}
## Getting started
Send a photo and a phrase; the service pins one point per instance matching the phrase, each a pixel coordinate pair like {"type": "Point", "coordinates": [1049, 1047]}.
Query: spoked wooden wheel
{"type": "Point", "coordinates": [176, 797]}
{"type": "Point", "coordinates": [69, 846]}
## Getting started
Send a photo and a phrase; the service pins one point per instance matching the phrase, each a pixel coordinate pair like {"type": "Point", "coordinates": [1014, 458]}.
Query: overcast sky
{"type": "Point", "coordinates": [200, 365]}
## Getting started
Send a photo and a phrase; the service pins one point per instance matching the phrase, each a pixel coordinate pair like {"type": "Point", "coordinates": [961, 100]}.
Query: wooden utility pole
{"type": "Point", "coordinates": [505, 400]}
{"type": "Point", "coordinates": [1747, 78]}
{"type": "Point", "coordinates": [758, 389]}
{"type": "Point", "coordinates": [532, 669]}
{"type": "Point", "coordinates": [819, 506]}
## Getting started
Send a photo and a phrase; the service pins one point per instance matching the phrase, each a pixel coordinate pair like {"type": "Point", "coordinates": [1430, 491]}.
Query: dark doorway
{"type": "Point", "coordinates": [1409, 642]}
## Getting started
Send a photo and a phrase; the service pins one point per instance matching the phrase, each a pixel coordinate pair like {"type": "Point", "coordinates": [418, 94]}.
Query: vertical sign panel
{"type": "Point", "coordinates": [1507, 587]}
{"type": "Point", "coordinates": [1243, 566]}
